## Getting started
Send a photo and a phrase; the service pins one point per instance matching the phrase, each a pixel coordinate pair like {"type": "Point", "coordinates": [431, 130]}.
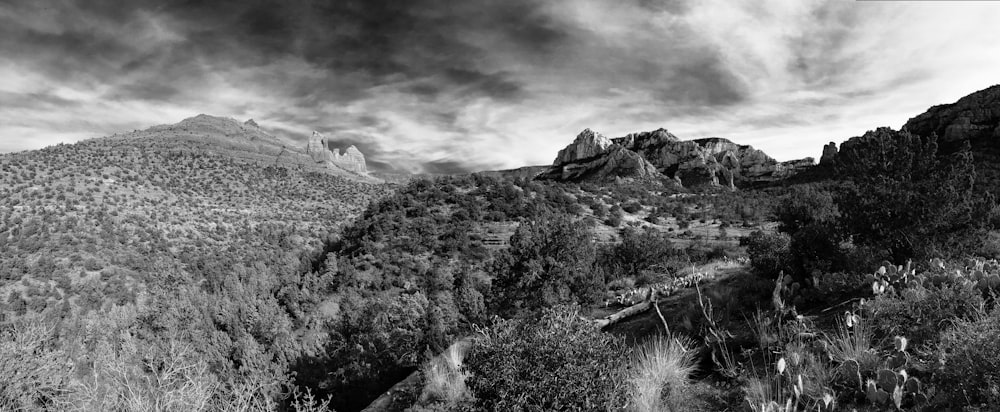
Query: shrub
{"type": "Point", "coordinates": [769, 252]}
{"type": "Point", "coordinates": [638, 251]}
{"type": "Point", "coordinates": [920, 312]}
{"type": "Point", "coordinates": [632, 207]}
{"type": "Point", "coordinates": [969, 374]}
{"type": "Point", "coordinates": [32, 369]}
{"type": "Point", "coordinates": [560, 363]}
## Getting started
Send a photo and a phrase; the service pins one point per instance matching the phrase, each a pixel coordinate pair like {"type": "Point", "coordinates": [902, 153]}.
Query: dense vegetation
{"type": "Point", "coordinates": [139, 276]}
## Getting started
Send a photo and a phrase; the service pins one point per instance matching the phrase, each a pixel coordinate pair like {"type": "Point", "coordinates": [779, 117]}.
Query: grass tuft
{"type": "Point", "coordinates": [660, 376]}
{"type": "Point", "coordinates": [445, 378]}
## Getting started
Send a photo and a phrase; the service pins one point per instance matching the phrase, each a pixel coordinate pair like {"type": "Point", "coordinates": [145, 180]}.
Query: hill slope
{"type": "Point", "coordinates": [103, 209]}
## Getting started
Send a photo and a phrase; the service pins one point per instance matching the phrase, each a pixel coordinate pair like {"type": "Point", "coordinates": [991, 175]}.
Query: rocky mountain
{"type": "Point", "coordinates": [973, 117]}
{"type": "Point", "coordinates": [351, 159]}
{"type": "Point", "coordinates": [972, 120]}
{"type": "Point", "coordinates": [248, 142]}
{"type": "Point", "coordinates": [711, 162]}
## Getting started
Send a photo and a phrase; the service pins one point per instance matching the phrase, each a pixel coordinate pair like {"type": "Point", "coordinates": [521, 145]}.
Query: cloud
{"type": "Point", "coordinates": [444, 86]}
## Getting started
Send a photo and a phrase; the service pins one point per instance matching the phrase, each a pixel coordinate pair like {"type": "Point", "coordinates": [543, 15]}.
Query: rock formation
{"type": "Point", "coordinates": [251, 123]}
{"type": "Point", "coordinates": [616, 162]}
{"type": "Point", "coordinates": [829, 154]}
{"type": "Point", "coordinates": [711, 162]}
{"type": "Point", "coordinates": [973, 117]}
{"type": "Point", "coordinates": [350, 159]}
{"type": "Point", "coordinates": [588, 144]}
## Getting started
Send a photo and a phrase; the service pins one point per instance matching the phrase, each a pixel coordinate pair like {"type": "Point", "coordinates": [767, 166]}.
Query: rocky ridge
{"type": "Point", "coordinates": [248, 141]}
{"type": "Point", "coordinates": [711, 162]}
{"type": "Point", "coordinates": [973, 117]}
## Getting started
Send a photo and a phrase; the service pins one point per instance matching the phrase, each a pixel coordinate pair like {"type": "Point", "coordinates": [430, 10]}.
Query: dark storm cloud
{"type": "Point", "coordinates": [372, 42]}
{"type": "Point", "coordinates": [447, 85]}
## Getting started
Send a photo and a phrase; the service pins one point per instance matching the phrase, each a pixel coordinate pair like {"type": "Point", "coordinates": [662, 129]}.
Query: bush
{"type": "Point", "coordinates": [769, 252]}
{"type": "Point", "coordinates": [638, 251]}
{"type": "Point", "coordinates": [920, 312]}
{"type": "Point", "coordinates": [560, 363]}
{"type": "Point", "coordinates": [969, 374]}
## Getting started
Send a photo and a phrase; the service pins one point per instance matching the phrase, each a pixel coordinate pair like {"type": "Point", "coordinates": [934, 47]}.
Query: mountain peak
{"type": "Point", "coordinates": [711, 162]}
{"type": "Point", "coordinates": [587, 144]}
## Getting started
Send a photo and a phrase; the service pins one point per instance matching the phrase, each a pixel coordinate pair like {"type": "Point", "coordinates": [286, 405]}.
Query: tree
{"type": "Point", "coordinates": [803, 206]}
{"type": "Point", "coordinates": [549, 262]}
{"type": "Point", "coordinates": [638, 251]}
{"type": "Point", "coordinates": [906, 199]}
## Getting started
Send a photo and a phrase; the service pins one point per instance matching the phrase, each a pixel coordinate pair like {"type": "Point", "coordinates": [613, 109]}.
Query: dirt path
{"type": "Point", "coordinates": [681, 308]}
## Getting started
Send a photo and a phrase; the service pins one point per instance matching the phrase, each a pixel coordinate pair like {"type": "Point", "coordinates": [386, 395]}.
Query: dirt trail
{"type": "Point", "coordinates": [679, 307]}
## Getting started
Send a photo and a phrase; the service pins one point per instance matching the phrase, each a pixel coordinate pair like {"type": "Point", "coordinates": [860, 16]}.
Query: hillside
{"type": "Point", "coordinates": [170, 217]}
{"type": "Point", "coordinates": [105, 208]}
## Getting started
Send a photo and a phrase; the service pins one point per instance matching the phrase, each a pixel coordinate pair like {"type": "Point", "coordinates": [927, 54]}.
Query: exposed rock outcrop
{"type": "Point", "coordinates": [616, 162]}
{"type": "Point", "coordinates": [973, 117]}
{"type": "Point", "coordinates": [829, 154]}
{"type": "Point", "coordinates": [350, 159]}
{"type": "Point", "coordinates": [711, 162]}
{"type": "Point", "coordinates": [588, 144]}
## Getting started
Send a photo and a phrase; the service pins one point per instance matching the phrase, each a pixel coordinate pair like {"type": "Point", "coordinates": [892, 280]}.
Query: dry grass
{"type": "Point", "coordinates": [853, 343]}
{"type": "Point", "coordinates": [445, 378]}
{"type": "Point", "coordinates": [660, 376]}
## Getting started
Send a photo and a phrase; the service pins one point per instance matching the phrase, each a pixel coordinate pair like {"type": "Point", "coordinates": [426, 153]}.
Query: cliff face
{"type": "Point", "coordinates": [350, 159]}
{"type": "Point", "coordinates": [615, 162]}
{"type": "Point", "coordinates": [588, 144]}
{"type": "Point", "coordinates": [973, 117]}
{"type": "Point", "coordinates": [712, 162]}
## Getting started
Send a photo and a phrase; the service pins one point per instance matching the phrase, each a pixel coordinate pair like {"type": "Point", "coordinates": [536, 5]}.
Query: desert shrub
{"type": "Point", "coordinates": [561, 362]}
{"type": "Point", "coordinates": [638, 251]}
{"type": "Point", "coordinates": [33, 370]}
{"type": "Point", "coordinates": [921, 312]}
{"type": "Point", "coordinates": [969, 374]}
{"type": "Point", "coordinates": [769, 252]}
{"type": "Point", "coordinates": [632, 207]}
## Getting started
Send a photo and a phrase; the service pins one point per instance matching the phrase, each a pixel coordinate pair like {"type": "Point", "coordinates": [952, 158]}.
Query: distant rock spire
{"type": "Point", "coordinates": [829, 154]}
{"type": "Point", "coordinates": [350, 159]}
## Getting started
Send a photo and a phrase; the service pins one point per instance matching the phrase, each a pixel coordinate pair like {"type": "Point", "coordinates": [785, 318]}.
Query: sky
{"type": "Point", "coordinates": [439, 86]}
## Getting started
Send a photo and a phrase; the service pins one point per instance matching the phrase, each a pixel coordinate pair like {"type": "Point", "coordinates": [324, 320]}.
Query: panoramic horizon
{"type": "Point", "coordinates": [435, 87]}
